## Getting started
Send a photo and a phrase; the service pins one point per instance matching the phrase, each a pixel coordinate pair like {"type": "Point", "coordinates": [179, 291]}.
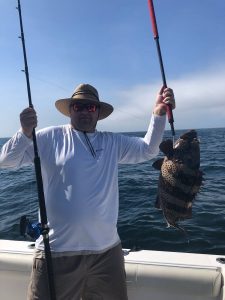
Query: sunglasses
{"type": "Point", "coordinates": [78, 107]}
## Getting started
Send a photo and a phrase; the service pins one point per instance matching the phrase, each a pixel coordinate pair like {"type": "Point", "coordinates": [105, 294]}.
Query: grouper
{"type": "Point", "coordinates": [180, 178]}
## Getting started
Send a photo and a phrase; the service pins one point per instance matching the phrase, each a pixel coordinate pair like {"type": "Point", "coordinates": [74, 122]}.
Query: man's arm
{"type": "Point", "coordinates": [133, 149]}
{"type": "Point", "coordinates": [18, 151]}
{"type": "Point", "coordinates": [156, 128]}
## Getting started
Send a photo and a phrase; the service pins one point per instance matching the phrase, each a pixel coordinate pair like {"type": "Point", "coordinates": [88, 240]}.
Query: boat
{"type": "Point", "coordinates": [151, 275]}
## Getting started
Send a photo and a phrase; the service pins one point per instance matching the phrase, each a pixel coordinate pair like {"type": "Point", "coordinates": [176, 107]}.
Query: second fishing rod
{"type": "Point", "coordinates": [37, 164]}
{"type": "Point", "coordinates": [156, 38]}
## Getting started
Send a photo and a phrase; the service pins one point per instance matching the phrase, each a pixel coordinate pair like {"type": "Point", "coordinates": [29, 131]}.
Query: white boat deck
{"type": "Point", "coordinates": [153, 275]}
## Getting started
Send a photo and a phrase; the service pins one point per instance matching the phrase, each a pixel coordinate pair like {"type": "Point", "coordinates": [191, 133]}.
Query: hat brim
{"type": "Point", "coordinates": [63, 105]}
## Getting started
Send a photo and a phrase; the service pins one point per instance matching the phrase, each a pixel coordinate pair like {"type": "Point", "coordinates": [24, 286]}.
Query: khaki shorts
{"type": "Point", "coordinates": [86, 277]}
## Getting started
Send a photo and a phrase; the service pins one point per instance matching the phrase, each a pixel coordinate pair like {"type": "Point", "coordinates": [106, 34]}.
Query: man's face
{"type": "Point", "coordinates": [84, 116]}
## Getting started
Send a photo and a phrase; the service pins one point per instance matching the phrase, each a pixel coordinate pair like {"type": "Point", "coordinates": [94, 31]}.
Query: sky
{"type": "Point", "coordinates": [110, 45]}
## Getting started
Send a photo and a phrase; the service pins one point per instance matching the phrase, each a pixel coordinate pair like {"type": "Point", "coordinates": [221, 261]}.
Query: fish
{"type": "Point", "coordinates": [180, 178]}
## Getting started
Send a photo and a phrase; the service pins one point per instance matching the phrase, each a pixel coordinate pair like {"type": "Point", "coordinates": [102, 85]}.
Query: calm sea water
{"type": "Point", "coordinates": [140, 223]}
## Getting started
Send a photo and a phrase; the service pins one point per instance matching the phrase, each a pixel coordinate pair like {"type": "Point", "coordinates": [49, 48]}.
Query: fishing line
{"type": "Point", "coordinates": [37, 164]}
{"type": "Point", "coordinates": [156, 38]}
{"type": "Point", "coordinates": [50, 83]}
{"type": "Point", "coordinates": [66, 89]}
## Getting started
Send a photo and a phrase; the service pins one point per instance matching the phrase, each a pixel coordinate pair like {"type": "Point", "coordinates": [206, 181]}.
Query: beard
{"type": "Point", "coordinates": [84, 123]}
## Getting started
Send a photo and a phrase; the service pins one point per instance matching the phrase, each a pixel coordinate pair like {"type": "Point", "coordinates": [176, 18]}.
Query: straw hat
{"type": "Point", "coordinates": [84, 93]}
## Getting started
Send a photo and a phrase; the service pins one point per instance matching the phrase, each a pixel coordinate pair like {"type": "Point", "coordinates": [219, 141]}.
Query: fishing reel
{"type": "Point", "coordinates": [28, 228]}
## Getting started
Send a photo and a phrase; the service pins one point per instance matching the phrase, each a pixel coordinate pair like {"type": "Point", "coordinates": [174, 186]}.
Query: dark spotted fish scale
{"type": "Point", "coordinates": [180, 178]}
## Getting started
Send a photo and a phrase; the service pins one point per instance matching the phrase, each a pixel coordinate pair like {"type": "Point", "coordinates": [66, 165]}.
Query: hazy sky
{"type": "Point", "coordinates": [110, 45]}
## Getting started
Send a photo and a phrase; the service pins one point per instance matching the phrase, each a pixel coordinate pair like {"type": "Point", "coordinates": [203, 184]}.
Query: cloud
{"type": "Point", "coordinates": [200, 102]}
{"type": "Point", "coordinates": [200, 99]}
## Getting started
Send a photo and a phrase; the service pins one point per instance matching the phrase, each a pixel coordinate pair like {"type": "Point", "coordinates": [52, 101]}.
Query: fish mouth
{"type": "Point", "coordinates": [189, 135]}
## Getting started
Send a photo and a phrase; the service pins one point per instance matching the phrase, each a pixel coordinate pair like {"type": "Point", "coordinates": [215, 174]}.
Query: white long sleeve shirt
{"type": "Point", "coordinates": [81, 191]}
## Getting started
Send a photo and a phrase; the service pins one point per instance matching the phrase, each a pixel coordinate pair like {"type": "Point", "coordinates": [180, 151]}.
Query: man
{"type": "Point", "coordinates": [79, 169]}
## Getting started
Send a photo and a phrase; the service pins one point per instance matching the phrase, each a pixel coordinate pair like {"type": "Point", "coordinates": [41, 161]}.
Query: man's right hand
{"type": "Point", "coordinates": [28, 120]}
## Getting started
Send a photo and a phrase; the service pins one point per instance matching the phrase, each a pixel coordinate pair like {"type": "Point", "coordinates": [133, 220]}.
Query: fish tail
{"type": "Point", "coordinates": [175, 225]}
{"type": "Point", "coordinates": [183, 231]}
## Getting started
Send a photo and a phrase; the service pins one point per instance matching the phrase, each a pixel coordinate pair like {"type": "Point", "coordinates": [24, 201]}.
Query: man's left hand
{"type": "Point", "coordinates": [164, 98]}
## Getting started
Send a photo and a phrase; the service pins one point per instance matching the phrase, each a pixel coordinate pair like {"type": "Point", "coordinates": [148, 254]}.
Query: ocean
{"type": "Point", "coordinates": [140, 224]}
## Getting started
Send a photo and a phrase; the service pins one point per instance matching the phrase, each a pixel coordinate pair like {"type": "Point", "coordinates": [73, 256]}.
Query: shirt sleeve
{"type": "Point", "coordinates": [135, 150]}
{"type": "Point", "coordinates": [17, 152]}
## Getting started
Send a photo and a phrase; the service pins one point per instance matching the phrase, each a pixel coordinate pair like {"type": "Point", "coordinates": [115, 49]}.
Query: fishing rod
{"type": "Point", "coordinates": [37, 164]}
{"type": "Point", "coordinates": [156, 38]}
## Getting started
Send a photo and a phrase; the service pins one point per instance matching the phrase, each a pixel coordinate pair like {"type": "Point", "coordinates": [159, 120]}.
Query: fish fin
{"type": "Point", "coordinates": [157, 203]}
{"type": "Point", "coordinates": [158, 164]}
{"type": "Point", "coordinates": [167, 147]}
{"type": "Point", "coordinates": [199, 179]}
